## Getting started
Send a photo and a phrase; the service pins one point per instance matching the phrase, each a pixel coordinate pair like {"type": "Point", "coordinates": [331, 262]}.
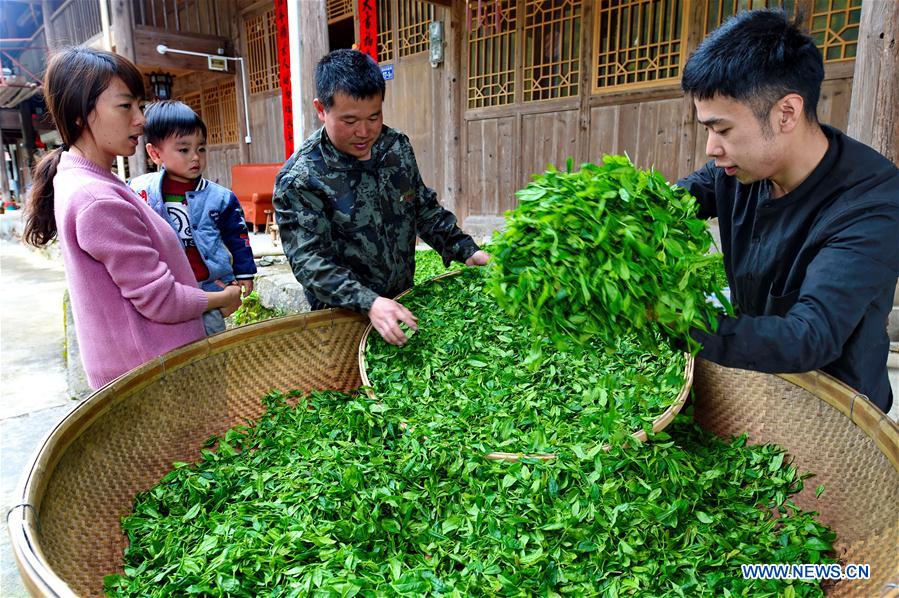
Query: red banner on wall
{"type": "Point", "coordinates": [282, 36]}
{"type": "Point", "coordinates": [368, 28]}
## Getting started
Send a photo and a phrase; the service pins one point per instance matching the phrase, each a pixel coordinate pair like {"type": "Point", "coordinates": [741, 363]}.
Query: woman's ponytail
{"type": "Point", "coordinates": [40, 219]}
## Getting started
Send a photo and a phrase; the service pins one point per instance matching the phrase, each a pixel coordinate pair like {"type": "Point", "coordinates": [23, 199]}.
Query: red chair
{"type": "Point", "coordinates": [254, 184]}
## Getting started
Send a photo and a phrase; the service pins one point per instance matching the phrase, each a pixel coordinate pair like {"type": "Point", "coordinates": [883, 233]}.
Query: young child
{"type": "Point", "coordinates": [206, 216]}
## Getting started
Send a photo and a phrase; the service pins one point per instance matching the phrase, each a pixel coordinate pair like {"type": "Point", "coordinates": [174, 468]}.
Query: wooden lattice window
{"type": "Point", "coordinates": [220, 113]}
{"type": "Point", "coordinates": [835, 28]}
{"type": "Point", "coordinates": [262, 53]}
{"type": "Point", "coordinates": [413, 18]}
{"type": "Point", "coordinates": [717, 11]}
{"type": "Point", "coordinates": [385, 30]}
{"type": "Point", "coordinates": [639, 43]}
{"type": "Point", "coordinates": [491, 53]}
{"type": "Point", "coordinates": [194, 100]}
{"type": "Point", "coordinates": [552, 30]}
{"type": "Point", "coordinates": [340, 9]}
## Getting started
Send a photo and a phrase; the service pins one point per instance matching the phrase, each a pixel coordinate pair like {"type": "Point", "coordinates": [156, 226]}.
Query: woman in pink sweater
{"type": "Point", "coordinates": [134, 295]}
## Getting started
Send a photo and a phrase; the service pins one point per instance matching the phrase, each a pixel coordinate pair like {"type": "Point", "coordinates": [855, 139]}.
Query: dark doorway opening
{"type": "Point", "coordinates": [341, 34]}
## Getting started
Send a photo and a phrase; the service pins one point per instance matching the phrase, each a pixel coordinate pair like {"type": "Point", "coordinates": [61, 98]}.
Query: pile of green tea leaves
{"type": "Point", "coordinates": [474, 372]}
{"type": "Point", "coordinates": [606, 249]}
{"type": "Point", "coordinates": [336, 498]}
{"type": "Point", "coordinates": [429, 264]}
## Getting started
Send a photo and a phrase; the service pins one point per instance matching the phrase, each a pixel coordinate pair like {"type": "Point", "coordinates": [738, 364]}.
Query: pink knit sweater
{"type": "Point", "coordinates": [133, 293]}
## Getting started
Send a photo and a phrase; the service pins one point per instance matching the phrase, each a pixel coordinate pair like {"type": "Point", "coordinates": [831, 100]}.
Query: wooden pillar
{"type": "Point", "coordinates": [23, 172]}
{"type": "Point", "coordinates": [28, 136]}
{"type": "Point", "coordinates": [692, 142]}
{"type": "Point", "coordinates": [239, 32]}
{"type": "Point", "coordinates": [874, 109]}
{"type": "Point", "coordinates": [49, 33]}
{"type": "Point", "coordinates": [585, 86]}
{"type": "Point", "coordinates": [452, 185]}
{"type": "Point", "coordinates": [122, 18]}
{"type": "Point", "coordinates": [4, 176]}
{"type": "Point", "coordinates": [308, 43]}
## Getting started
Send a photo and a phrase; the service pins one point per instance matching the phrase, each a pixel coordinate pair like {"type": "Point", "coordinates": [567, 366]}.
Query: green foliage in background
{"type": "Point", "coordinates": [603, 250]}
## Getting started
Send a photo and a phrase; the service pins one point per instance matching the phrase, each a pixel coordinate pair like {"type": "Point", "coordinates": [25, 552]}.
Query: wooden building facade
{"type": "Point", "coordinates": [551, 79]}
{"type": "Point", "coordinates": [527, 83]}
{"type": "Point", "coordinates": [521, 83]}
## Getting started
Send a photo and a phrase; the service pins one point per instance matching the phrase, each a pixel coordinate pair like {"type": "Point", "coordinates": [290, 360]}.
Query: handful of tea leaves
{"type": "Point", "coordinates": [605, 250]}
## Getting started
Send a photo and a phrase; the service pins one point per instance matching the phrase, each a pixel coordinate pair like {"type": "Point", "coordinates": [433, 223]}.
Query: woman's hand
{"type": "Point", "coordinates": [226, 300]}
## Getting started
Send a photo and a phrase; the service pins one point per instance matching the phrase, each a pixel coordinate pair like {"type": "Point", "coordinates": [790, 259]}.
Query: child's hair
{"type": "Point", "coordinates": [170, 118]}
{"type": "Point", "coordinates": [74, 80]}
{"type": "Point", "coordinates": [757, 57]}
{"type": "Point", "coordinates": [349, 72]}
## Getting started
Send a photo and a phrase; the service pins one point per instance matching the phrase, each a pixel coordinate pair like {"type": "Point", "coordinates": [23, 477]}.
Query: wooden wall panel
{"type": "Point", "coordinates": [219, 159]}
{"type": "Point", "coordinates": [833, 105]}
{"type": "Point", "coordinates": [603, 132]}
{"type": "Point", "coordinates": [489, 165]}
{"type": "Point", "coordinates": [267, 128]}
{"type": "Point", "coordinates": [549, 138]}
{"type": "Point", "coordinates": [423, 101]}
{"type": "Point", "coordinates": [415, 103]}
{"type": "Point", "coordinates": [699, 155]}
{"type": "Point", "coordinates": [649, 132]}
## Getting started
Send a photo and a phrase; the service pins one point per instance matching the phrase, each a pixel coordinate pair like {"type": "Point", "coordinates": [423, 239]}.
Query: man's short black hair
{"type": "Point", "coordinates": [757, 57]}
{"type": "Point", "coordinates": [169, 118]}
{"type": "Point", "coordinates": [349, 72]}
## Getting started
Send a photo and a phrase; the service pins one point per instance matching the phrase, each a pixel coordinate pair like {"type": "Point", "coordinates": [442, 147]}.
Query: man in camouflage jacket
{"type": "Point", "coordinates": [350, 202]}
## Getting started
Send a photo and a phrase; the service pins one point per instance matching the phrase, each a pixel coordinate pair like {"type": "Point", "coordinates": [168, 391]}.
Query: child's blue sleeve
{"type": "Point", "coordinates": [234, 233]}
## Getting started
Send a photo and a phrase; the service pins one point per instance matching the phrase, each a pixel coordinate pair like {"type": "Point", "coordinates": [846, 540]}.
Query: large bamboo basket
{"type": "Point", "coordinates": [66, 530]}
{"type": "Point", "coordinates": [658, 424]}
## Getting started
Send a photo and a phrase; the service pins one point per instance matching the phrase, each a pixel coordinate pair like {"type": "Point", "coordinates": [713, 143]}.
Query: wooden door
{"type": "Point", "coordinates": [417, 100]}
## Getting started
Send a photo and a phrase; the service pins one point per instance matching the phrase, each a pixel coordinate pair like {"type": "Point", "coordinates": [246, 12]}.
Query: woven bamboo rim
{"type": "Point", "coordinates": [229, 359]}
{"type": "Point", "coordinates": [82, 478]}
{"type": "Point", "coordinates": [658, 424]}
{"type": "Point", "coordinates": [836, 433]}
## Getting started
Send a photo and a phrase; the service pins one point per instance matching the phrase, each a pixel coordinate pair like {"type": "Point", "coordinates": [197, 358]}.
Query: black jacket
{"type": "Point", "coordinates": [812, 274]}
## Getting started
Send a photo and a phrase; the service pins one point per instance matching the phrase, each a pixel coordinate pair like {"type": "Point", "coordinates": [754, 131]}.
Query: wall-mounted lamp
{"type": "Point", "coordinates": [210, 60]}
{"type": "Point", "coordinates": [161, 84]}
{"type": "Point", "coordinates": [435, 43]}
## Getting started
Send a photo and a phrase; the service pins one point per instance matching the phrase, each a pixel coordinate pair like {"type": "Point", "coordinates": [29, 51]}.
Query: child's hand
{"type": "Point", "coordinates": [246, 286]}
{"type": "Point", "coordinates": [231, 300]}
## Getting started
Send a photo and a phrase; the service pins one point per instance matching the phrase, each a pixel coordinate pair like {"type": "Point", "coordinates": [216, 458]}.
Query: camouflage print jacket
{"type": "Point", "coordinates": [348, 227]}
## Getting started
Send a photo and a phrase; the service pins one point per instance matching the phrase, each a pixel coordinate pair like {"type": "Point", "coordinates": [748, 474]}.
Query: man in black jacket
{"type": "Point", "coordinates": [809, 217]}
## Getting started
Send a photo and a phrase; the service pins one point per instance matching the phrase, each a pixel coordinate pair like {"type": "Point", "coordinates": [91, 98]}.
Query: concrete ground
{"type": "Point", "coordinates": [33, 395]}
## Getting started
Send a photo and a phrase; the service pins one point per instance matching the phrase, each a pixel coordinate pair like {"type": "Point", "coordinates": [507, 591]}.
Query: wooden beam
{"type": "Point", "coordinates": [874, 109]}
{"type": "Point", "coordinates": [46, 11]}
{"type": "Point", "coordinates": [146, 57]}
{"type": "Point", "coordinates": [447, 3]}
{"type": "Point", "coordinates": [689, 139]}
{"type": "Point", "coordinates": [452, 184]}
{"type": "Point", "coordinates": [4, 177]}
{"type": "Point", "coordinates": [122, 25]}
{"type": "Point", "coordinates": [585, 84]}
